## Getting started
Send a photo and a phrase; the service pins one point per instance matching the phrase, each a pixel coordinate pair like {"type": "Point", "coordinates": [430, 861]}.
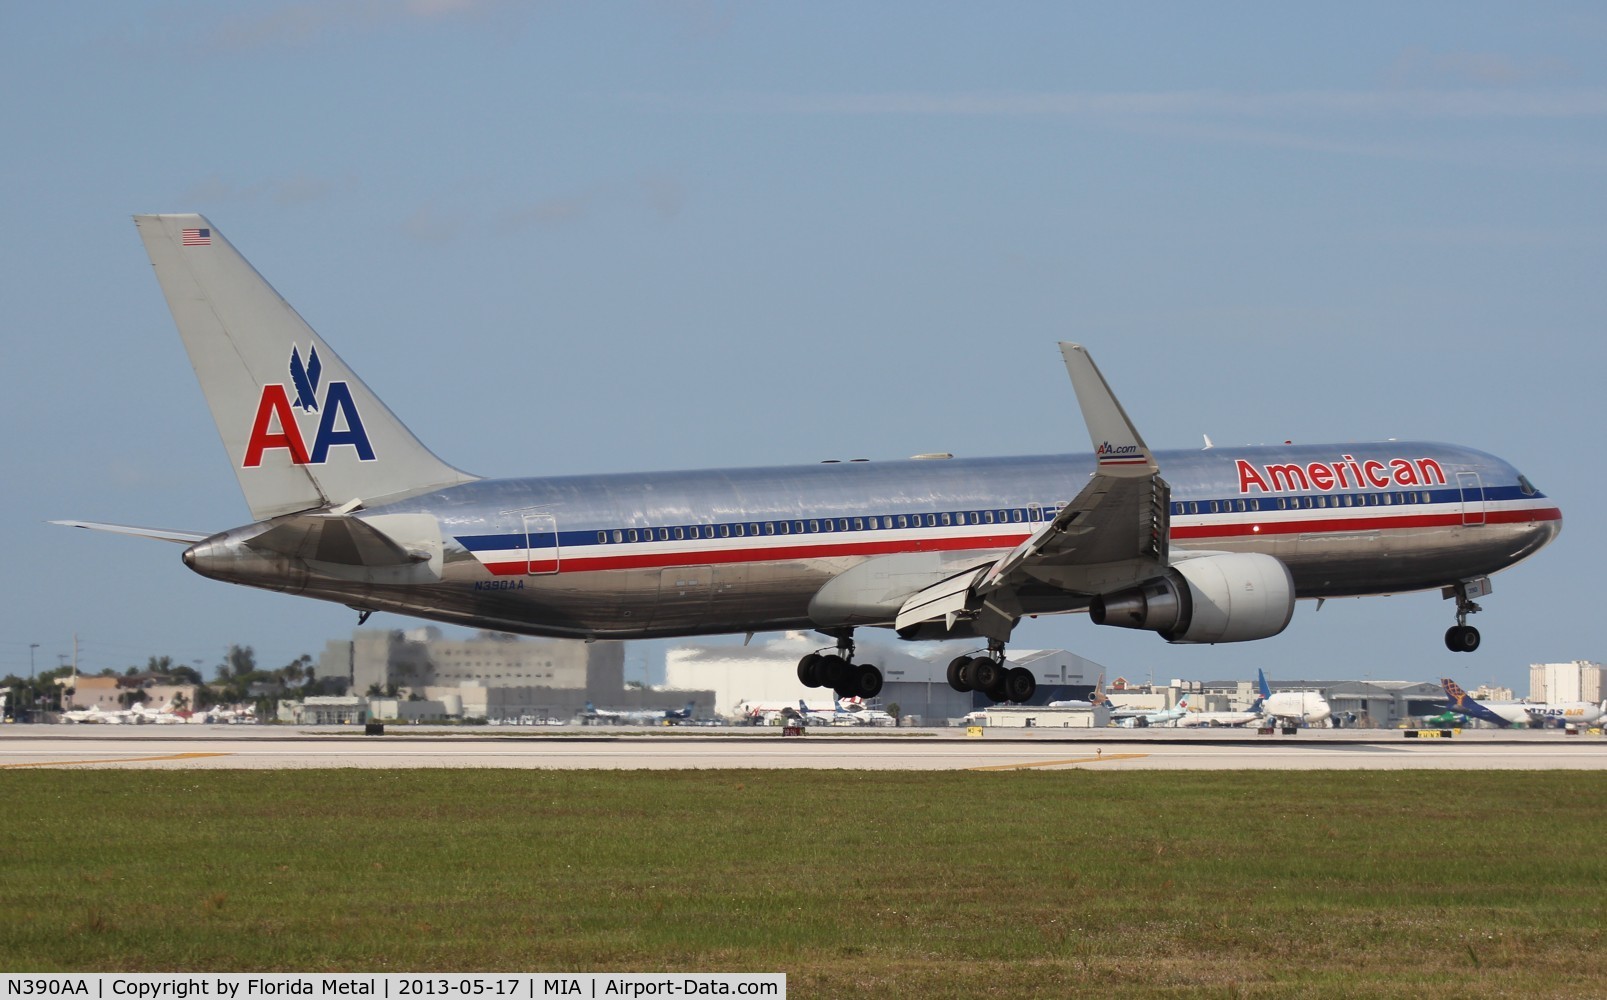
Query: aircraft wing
{"type": "Point", "coordinates": [1112, 534]}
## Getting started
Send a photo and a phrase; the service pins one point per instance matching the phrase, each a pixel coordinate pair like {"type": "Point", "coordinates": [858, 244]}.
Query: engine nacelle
{"type": "Point", "coordinates": [1232, 597]}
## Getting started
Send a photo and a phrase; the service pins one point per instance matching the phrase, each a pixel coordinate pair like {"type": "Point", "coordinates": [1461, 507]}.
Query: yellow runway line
{"type": "Point", "coordinates": [116, 760]}
{"type": "Point", "coordinates": [1059, 763]}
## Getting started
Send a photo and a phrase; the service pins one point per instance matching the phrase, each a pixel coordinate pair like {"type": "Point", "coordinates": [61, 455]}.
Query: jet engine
{"type": "Point", "coordinates": [1231, 597]}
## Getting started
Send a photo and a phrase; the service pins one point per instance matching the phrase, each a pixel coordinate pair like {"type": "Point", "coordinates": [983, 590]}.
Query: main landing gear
{"type": "Point", "coordinates": [1462, 637]}
{"type": "Point", "coordinates": [838, 671]}
{"type": "Point", "coordinates": [988, 673]}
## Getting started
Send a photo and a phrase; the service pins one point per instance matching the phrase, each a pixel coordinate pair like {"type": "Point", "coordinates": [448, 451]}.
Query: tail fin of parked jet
{"type": "Point", "coordinates": [1462, 702]}
{"type": "Point", "coordinates": [301, 429]}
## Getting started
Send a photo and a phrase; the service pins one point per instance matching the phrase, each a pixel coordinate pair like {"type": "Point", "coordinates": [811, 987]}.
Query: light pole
{"type": "Point", "coordinates": [31, 647]}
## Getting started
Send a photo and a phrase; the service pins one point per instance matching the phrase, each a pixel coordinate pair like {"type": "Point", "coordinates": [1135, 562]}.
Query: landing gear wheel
{"type": "Point", "coordinates": [1020, 685]}
{"type": "Point", "coordinates": [865, 681]}
{"type": "Point", "coordinates": [809, 670]}
{"type": "Point", "coordinates": [957, 673]}
{"type": "Point", "coordinates": [998, 693]}
{"type": "Point", "coordinates": [985, 674]}
{"type": "Point", "coordinates": [1461, 638]}
{"type": "Point", "coordinates": [833, 671]}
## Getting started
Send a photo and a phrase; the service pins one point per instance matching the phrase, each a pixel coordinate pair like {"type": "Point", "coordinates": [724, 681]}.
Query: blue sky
{"type": "Point", "coordinates": [566, 238]}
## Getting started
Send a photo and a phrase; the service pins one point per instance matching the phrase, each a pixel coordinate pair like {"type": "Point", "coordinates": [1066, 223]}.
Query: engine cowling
{"type": "Point", "coordinates": [1233, 597]}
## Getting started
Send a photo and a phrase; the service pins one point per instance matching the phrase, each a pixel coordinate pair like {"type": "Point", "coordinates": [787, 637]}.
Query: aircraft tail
{"type": "Point", "coordinates": [1261, 684]}
{"type": "Point", "coordinates": [1461, 701]}
{"type": "Point", "coordinates": [301, 429]}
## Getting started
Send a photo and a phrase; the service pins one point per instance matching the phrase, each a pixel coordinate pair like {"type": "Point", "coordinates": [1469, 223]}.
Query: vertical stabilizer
{"type": "Point", "coordinates": [301, 429]}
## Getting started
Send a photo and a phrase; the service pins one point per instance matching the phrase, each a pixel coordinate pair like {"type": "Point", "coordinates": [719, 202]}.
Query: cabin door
{"type": "Point", "coordinates": [541, 544]}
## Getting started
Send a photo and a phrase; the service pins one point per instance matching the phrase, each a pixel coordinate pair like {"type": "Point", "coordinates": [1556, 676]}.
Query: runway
{"type": "Point", "coordinates": [274, 747]}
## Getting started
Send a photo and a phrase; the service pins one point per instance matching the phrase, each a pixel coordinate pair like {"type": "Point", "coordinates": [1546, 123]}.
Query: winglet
{"type": "Point", "coordinates": [1117, 444]}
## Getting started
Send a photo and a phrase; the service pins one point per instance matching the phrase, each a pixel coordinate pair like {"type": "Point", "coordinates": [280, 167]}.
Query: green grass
{"type": "Point", "coordinates": [1143, 884]}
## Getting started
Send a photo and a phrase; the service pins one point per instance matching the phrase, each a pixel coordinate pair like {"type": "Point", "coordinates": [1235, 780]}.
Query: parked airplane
{"type": "Point", "coordinates": [1499, 713]}
{"type": "Point", "coordinates": [1139, 718]}
{"type": "Point", "coordinates": [636, 716]}
{"type": "Point", "coordinates": [1523, 713]}
{"type": "Point", "coordinates": [1098, 697]}
{"type": "Point", "coordinates": [1446, 718]}
{"type": "Point", "coordinates": [1202, 718]}
{"type": "Point", "coordinates": [348, 506]}
{"type": "Point", "coordinates": [1297, 708]}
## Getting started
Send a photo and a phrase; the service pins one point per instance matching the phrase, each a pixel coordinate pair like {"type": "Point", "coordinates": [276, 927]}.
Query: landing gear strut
{"type": "Point", "coordinates": [838, 671]}
{"type": "Point", "coordinates": [987, 672]}
{"type": "Point", "coordinates": [1462, 637]}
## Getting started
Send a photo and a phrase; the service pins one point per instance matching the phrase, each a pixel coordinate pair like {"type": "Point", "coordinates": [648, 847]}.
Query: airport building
{"type": "Point", "coordinates": [1579, 680]}
{"type": "Point", "coordinates": [421, 674]}
{"type": "Point", "coordinates": [113, 694]}
{"type": "Point", "coordinates": [766, 674]}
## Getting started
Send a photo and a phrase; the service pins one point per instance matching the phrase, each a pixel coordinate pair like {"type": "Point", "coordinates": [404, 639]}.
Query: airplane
{"type": "Point", "coordinates": [348, 506]}
{"type": "Point", "coordinates": [1140, 718]}
{"type": "Point", "coordinates": [1299, 708]}
{"type": "Point", "coordinates": [854, 711]}
{"type": "Point", "coordinates": [1499, 713]}
{"type": "Point", "coordinates": [1523, 713]}
{"type": "Point", "coordinates": [1446, 718]}
{"type": "Point", "coordinates": [1202, 718]}
{"type": "Point", "coordinates": [636, 717]}
{"type": "Point", "coordinates": [1098, 697]}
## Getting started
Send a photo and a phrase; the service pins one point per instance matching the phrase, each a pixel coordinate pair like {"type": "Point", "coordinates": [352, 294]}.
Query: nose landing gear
{"type": "Point", "coordinates": [1462, 637]}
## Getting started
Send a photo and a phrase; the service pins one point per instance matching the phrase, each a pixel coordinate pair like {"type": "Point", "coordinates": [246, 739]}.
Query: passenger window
{"type": "Point", "coordinates": [786, 528]}
{"type": "Point", "coordinates": [987, 516]}
{"type": "Point", "coordinates": [842, 524]}
{"type": "Point", "coordinates": [680, 534]}
{"type": "Point", "coordinates": [632, 534]}
{"type": "Point", "coordinates": [797, 527]}
{"type": "Point", "coordinates": [903, 520]}
{"type": "Point", "coordinates": [946, 519]}
{"type": "Point", "coordinates": [725, 531]}
{"type": "Point", "coordinates": [769, 527]}
{"type": "Point", "coordinates": [872, 522]}
{"type": "Point", "coordinates": [619, 536]}
{"type": "Point", "coordinates": [814, 526]}
{"type": "Point", "coordinates": [753, 529]}
{"type": "Point", "coordinates": [663, 534]}
{"type": "Point", "coordinates": [602, 538]}
{"type": "Point", "coordinates": [740, 531]}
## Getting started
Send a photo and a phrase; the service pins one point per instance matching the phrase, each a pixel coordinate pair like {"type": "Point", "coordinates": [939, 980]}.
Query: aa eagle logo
{"type": "Point", "coordinates": [276, 425]}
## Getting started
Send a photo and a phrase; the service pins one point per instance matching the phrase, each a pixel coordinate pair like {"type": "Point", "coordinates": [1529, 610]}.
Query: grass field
{"type": "Point", "coordinates": [1068, 883]}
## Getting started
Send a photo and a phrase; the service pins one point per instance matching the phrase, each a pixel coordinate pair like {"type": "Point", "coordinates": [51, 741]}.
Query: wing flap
{"type": "Point", "coordinates": [946, 600]}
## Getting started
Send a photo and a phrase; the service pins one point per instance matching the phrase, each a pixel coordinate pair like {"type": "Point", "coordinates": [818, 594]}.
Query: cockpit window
{"type": "Point", "coordinates": [1526, 486]}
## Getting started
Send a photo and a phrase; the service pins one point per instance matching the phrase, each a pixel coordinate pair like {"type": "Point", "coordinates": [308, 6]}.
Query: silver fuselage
{"type": "Point", "coordinates": [729, 551]}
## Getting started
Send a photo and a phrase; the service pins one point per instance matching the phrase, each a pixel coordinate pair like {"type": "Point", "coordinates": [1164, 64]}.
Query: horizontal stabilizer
{"type": "Point", "coordinates": [160, 534]}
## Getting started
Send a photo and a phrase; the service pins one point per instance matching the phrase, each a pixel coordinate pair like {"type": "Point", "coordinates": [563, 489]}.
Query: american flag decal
{"type": "Point", "coordinates": [197, 237]}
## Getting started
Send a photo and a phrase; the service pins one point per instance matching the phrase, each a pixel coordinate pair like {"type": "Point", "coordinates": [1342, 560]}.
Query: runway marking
{"type": "Point", "coordinates": [1058, 763]}
{"type": "Point", "coordinates": [117, 760]}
